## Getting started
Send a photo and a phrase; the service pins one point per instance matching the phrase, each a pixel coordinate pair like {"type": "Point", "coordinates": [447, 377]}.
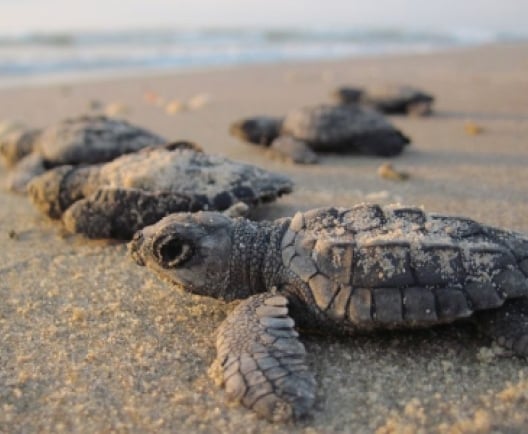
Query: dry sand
{"type": "Point", "coordinates": [89, 342]}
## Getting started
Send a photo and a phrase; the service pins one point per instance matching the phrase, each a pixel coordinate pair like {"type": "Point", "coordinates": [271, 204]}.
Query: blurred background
{"type": "Point", "coordinates": [56, 38]}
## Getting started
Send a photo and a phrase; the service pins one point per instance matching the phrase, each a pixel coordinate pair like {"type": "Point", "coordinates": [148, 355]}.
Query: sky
{"type": "Point", "coordinates": [23, 16]}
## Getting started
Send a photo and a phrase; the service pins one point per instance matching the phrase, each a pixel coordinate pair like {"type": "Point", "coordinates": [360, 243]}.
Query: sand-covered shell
{"type": "Point", "coordinates": [381, 267]}
{"type": "Point", "coordinates": [340, 128]}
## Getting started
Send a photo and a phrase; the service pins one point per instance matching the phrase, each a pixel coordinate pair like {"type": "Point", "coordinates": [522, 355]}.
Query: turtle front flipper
{"type": "Point", "coordinates": [262, 360]}
{"type": "Point", "coordinates": [293, 150]}
{"type": "Point", "coordinates": [507, 325]}
{"type": "Point", "coordinates": [29, 167]}
{"type": "Point", "coordinates": [238, 209]}
{"type": "Point", "coordinates": [120, 212]}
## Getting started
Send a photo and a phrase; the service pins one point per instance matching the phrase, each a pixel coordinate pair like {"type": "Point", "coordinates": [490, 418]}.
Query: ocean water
{"type": "Point", "coordinates": [44, 56]}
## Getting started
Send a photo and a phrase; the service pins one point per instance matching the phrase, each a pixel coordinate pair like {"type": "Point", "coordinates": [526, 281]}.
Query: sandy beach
{"type": "Point", "coordinates": [90, 342]}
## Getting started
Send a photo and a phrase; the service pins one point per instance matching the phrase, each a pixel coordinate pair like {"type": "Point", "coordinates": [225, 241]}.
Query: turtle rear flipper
{"type": "Point", "coordinates": [508, 325]}
{"type": "Point", "coordinates": [262, 362]}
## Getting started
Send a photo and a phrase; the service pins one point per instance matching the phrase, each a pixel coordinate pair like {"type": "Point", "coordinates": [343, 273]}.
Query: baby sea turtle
{"type": "Point", "coordinates": [115, 199]}
{"type": "Point", "coordinates": [302, 131]}
{"type": "Point", "coordinates": [388, 99]}
{"type": "Point", "coordinates": [336, 270]}
{"type": "Point", "coordinates": [74, 141]}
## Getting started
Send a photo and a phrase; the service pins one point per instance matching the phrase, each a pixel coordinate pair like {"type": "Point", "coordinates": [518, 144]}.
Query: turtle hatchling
{"type": "Point", "coordinates": [336, 270]}
{"type": "Point", "coordinates": [74, 141]}
{"type": "Point", "coordinates": [389, 99]}
{"type": "Point", "coordinates": [115, 199]}
{"type": "Point", "coordinates": [304, 131]}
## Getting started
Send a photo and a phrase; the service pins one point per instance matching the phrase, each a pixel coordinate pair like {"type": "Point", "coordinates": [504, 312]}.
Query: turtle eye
{"type": "Point", "coordinates": [172, 252]}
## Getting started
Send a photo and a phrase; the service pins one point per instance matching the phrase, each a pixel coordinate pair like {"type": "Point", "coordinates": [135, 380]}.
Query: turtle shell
{"type": "Point", "coordinates": [344, 128]}
{"type": "Point", "coordinates": [91, 139]}
{"type": "Point", "coordinates": [384, 267]}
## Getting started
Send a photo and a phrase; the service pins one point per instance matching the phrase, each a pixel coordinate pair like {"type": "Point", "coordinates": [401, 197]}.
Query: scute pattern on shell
{"type": "Point", "coordinates": [371, 266]}
{"type": "Point", "coordinates": [189, 172]}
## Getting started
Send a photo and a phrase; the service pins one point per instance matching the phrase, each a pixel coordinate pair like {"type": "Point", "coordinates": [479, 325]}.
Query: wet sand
{"type": "Point", "coordinates": [89, 342]}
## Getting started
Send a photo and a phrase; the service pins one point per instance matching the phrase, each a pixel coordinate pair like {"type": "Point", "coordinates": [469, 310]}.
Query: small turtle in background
{"type": "Point", "coordinates": [74, 141]}
{"type": "Point", "coordinates": [304, 131]}
{"type": "Point", "coordinates": [115, 199]}
{"type": "Point", "coordinates": [336, 270]}
{"type": "Point", "coordinates": [388, 99]}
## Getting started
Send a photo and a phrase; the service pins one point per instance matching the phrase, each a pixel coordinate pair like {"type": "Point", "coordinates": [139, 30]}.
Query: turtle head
{"type": "Point", "coordinates": [16, 143]}
{"type": "Point", "coordinates": [261, 130]}
{"type": "Point", "coordinates": [191, 250]}
{"type": "Point", "coordinates": [347, 95]}
{"type": "Point", "coordinates": [46, 191]}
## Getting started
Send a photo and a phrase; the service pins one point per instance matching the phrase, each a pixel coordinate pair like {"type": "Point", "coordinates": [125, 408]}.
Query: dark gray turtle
{"type": "Point", "coordinates": [115, 199]}
{"type": "Point", "coordinates": [336, 270]}
{"type": "Point", "coordinates": [388, 99]}
{"type": "Point", "coordinates": [79, 140]}
{"type": "Point", "coordinates": [322, 128]}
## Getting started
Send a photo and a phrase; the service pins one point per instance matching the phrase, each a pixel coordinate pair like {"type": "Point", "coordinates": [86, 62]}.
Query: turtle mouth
{"type": "Point", "coordinates": [134, 248]}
